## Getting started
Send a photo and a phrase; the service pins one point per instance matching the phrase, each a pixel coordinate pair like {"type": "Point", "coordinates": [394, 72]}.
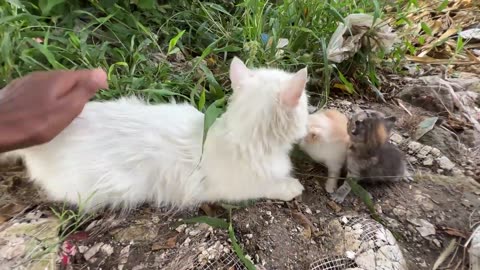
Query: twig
{"type": "Point", "coordinates": [403, 107]}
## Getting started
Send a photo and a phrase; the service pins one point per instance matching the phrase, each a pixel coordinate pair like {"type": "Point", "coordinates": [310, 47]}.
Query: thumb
{"type": "Point", "coordinates": [92, 80]}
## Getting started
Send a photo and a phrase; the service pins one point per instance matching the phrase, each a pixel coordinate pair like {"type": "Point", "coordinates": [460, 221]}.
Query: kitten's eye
{"type": "Point", "coordinates": [358, 122]}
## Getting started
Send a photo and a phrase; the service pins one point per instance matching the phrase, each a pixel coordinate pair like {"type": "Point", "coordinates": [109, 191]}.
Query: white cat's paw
{"type": "Point", "coordinates": [288, 189]}
{"type": "Point", "coordinates": [331, 186]}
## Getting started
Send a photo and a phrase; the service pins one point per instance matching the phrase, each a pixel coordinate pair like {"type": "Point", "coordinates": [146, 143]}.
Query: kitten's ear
{"type": "Point", "coordinates": [390, 122]}
{"type": "Point", "coordinates": [294, 90]}
{"type": "Point", "coordinates": [238, 71]}
{"type": "Point", "coordinates": [313, 135]}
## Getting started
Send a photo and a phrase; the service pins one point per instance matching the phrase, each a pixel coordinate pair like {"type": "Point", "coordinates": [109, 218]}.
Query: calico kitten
{"type": "Point", "coordinates": [371, 157]}
{"type": "Point", "coordinates": [327, 142]}
{"type": "Point", "coordinates": [122, 153]}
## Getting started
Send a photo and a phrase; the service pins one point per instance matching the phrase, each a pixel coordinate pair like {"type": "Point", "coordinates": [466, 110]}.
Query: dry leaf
{"type": "Point", "coordinates": [305, 222]}
{"type": "Point", "coordinates": [335, 207]}
{"type": "Point", "coordinates": [171, 243]}
{"type": "Point", "coordinates": [453, 232]}
{"type": "Point", "coordinates": [10, 210]}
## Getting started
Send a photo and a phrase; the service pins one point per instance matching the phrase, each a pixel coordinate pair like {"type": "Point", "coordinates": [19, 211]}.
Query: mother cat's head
{"type": "Point", "coordinates": [267, 104]}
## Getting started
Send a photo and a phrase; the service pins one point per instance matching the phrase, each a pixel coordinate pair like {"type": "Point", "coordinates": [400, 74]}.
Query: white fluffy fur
{"type": "Point", "coordinates": [124, 152]}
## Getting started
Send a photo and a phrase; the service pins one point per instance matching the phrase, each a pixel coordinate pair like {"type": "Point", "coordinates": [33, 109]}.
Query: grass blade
{"type": "Point", "coordinates": [364, 196]}
{"type": "Point", "coordinates": [213, 112]}
{"type": "Point", "coordinates": [238, 250]}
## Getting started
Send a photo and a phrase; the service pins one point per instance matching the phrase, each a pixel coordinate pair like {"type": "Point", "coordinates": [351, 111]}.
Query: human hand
{"type": "Point", "coordinates": [36, 108]}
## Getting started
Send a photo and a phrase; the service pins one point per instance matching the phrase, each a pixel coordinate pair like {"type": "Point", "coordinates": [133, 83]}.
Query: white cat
{"type": "Point", "coordinates": [125, 152]}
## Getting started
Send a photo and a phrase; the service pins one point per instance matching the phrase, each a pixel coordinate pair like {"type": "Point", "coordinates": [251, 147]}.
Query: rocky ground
{"type": "Point", "coordinates": [434, 213]}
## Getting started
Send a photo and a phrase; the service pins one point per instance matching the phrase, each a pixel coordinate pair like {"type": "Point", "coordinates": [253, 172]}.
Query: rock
{"type": "Point", "coordinates": [92, 251]}
{"type": "Point", "coordinates": [400, 211]}
{"type": "Point", "coordinates": [366, 260]}
{"type": "Point", "coordinates": [445, 163]}
{"type": "Point", "coordinates": [414, 146]}
{"type": "Point", "coordinates": [181, 228]}
{"type": "Point", "coordinates": [445, 142]}
{"type": "Point", "coordinates": [412, 159]}
{"type": "Point", "coordinates": [136, 233]}
{"type": "Point", "coordinates": [428, 161]}
{"type": "Point", "coordinates": [435, 152]}
{"type": "Point", "coordinates": [457, 172]}
{"type": "Point", "coordinates": [475, 250]}
{"type": "Point", "coordinates": [425, 150]}
{"type": "Point", "coordinates": [20, 242]}
{"type": "Point", "coordinates": [124, 253]}
{"type": "Point", "coordinates": [437, 243]}
{"type": "Point", "coordinates": [107, 249]}
{"type": "Point", "coordinates": [396, 138]}
{"type": "Point", "coordinates": [428, 96]}
{"type": "Point", "coordinates": [424, 227]}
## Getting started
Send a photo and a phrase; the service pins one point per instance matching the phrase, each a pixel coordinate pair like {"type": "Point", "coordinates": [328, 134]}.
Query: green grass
{"type": "Point", "coordinates": [176, 48]}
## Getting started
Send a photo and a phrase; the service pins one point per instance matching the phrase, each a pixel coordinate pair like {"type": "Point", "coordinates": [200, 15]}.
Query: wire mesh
{"type": "Point", "coordinates": [201, 255]}
{"type": "Point", "coordinates": [369, 228]}
{"type": "Point", "coordinates": [333, 263]}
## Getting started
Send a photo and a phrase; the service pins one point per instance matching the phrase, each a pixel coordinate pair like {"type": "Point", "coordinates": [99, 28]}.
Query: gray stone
{"type": "Point", "coordinates": [396, 138]}
{"type": "Point", "coordinates": [435, 152]}
{"type": "Point", "coordinates": [92, 251]}
{"type": "Point", "coordinates": [136, 233]}
{"type": "Point", "coordinates": [414, 146]}
{"type": "Point", "coordinates": [425, 150]}
{"type": "Point", "coordinates": [445, 163]}
{"type": "Point", "coordinates": [428, 161]}
{"type": "Point", "coordinates": [424, 227]}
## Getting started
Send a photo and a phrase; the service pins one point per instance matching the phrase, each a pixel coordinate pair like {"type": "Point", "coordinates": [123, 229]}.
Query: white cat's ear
{"type": "Point", "coordinates": [294, 90]}
{"type": "Point", "coordinates": [238, 71]}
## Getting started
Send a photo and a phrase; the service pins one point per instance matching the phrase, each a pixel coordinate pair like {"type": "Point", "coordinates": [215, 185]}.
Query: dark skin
{"type": "Point", "coordinates": [34, 109]}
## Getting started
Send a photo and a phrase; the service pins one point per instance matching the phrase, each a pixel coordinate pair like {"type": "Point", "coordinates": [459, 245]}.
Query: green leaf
{"type": "Point", "coordinates": [460, 44]}
{"type": "Point", "coordinates": [443, 5]}
{"type": "Point", "coordinates": [212, 82]}
{"type": "Point", "coordinates": [49, 55]}
{"type": "Point", "coordinates": [201, 102]}
{"type": "Point", "coordinates": [348, 84]}
{"type": "Point", "coordinates": [213, 112]}
{"type": "Point", "coordinates": [238, 250]}
{"type": "Point", "coordinates": [426, 29]}
{"type": "Point", "coordinates": [144, 4]}
{"type": "Point", "coordinates": [47, 5]}
{"type": "Point", "coordinates": [212, 221]}
{"type": "Point", "coordinates": [112, 67]}
{"type": "Point", "coordinates": [173, 42]}
{"type": "Point", "coordinates": [364, 196]}
{"type": "Point", "coordinates": [164, 92]}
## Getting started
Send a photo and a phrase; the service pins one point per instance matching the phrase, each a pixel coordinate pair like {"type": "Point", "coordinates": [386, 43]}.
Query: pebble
{"type": "Point", "coordinates": [412, 159]}
{"type": "Point", "coordinates": [428, 161]}
{"type": "Point", "coordinates": [308, 211]}
{"type": "Point", "coordinates": [435, 152]}
{"type": "Point", "coordinates": [425, 150]}
{"type": "Point", "coordinates": [107, 249]}
{"type": "Point", "coordinates": [396, 138]}
{"type": "Point", "coordinates": [414, 146]}
{"type": "Point", "coordinates": [437, 243]}
{"type": "Point", "coordinates": [445, 163]}
{"type": "Point", "coordinates": [424, 227]}
{"type": "Point", "coordinates": [181, 228]}
{"type": "Point", "coordinates": [92, 251]}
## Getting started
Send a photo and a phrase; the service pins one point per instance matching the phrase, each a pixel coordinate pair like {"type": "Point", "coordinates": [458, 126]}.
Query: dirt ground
{"type": "Point", "coordinates": [274, 234]}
